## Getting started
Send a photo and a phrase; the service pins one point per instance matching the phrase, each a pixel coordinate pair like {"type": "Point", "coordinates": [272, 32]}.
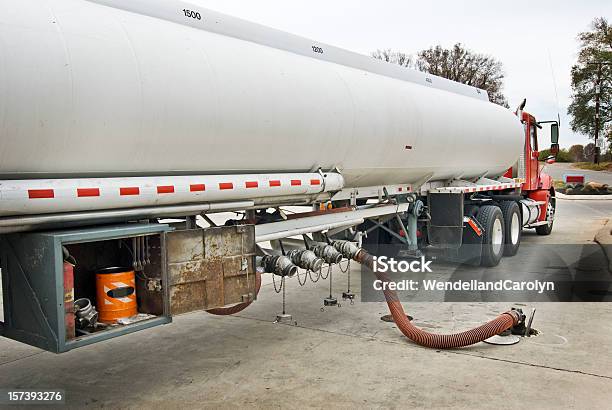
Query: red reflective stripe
{"type": "Point", "coordinates": [275, 182]}
{"type": "Point", "coordinates": [165, 189]}
{"type": "Point", "coordinates": [81, 192]}
{"type": "Point", "coordinates": [226, 185]}
{"type": "Point", "coordinates": [315, 182]}
{"type": "Point", "coordinates": [133, 190]}
{"type": "Point", "coordinates": [251, 184]}
{"type": "Point", "coordinates": [399, 189]}
{"type": "Point", "coordinates": [474, 227]}
{"type": "Point", "coordinates": [41, 193]}
{"type": "Point", "coordinates": [296, 182]}
{"type": "Point", "coordinates": [197, 187]}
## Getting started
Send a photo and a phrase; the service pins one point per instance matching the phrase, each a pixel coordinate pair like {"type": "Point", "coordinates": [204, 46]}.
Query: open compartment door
{"type": "Point", "coordinates": [211, 267]}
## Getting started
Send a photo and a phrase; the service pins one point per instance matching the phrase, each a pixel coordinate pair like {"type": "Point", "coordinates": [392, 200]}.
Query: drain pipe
{"type": "Point", "coordinates": [501, 323]}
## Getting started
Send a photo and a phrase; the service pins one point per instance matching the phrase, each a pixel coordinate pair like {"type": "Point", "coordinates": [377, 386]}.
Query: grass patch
{"type": "Point", "coordinates": [602, 166]}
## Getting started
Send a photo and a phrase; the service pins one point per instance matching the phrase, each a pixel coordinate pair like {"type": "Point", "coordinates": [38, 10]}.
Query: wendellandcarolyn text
{"type": "Point", "coordinates": [463, 286]}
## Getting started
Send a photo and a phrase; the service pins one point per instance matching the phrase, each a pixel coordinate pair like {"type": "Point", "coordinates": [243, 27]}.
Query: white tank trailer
{"type": "Point", "coordinates": [110, 88]}
{"type": "Point", "coordinates": [116, 115]}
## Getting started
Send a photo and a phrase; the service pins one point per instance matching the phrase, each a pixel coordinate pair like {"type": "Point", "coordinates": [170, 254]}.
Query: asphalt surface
{"type": "Point", "coordinates": [343, 357]}
{"type": "Point", "coordinates": [558, 169]}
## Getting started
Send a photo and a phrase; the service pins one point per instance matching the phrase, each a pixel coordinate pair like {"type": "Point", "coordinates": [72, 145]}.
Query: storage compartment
{"type": "Point", "coordinates": [65, 289]}
{"type": "Point", "coordinates": [121, 278]}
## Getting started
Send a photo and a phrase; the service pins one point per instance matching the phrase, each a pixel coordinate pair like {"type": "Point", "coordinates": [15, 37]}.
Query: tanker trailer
{"type": "Point", "coordinates": [116, 115]}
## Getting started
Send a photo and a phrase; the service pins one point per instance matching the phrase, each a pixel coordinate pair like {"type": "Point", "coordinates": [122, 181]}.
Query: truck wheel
{"type": "Point", "coordinates": [491, 219]}
{"type": "Point", "coordinates": [514, 226]}
{"type": "Point", "coordinates": [550, 218]}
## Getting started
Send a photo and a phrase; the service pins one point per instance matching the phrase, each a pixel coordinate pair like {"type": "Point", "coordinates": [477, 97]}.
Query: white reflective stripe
{"type": "Point", "coordinates": [25, 197]}
{"type": "Point", "coordinates": [481, 188]}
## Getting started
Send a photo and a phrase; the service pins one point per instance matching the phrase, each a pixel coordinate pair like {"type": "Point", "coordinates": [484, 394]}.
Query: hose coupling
{"type": "Point", "coordinates": [306, 259]}
{"type": "Point", "coordinates": [348, 249]}
{"type": "Point", "coordinates": [278, 265]}
{"type": "Point", "coordinates": [518, 316]}
{"type": "Point", "coordinates": [86, 314]}
{"type": "Point", "coordinates": [326, 252]}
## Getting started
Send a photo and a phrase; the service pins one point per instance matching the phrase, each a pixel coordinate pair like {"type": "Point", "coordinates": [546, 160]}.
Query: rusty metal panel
{"type": "Point", "coordinates": [211, 267]}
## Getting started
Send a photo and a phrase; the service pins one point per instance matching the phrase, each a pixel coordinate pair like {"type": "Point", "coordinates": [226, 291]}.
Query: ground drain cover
{"type": "Point", "coordinates": [503, 340]}
{"type": "Point", "coordinates": [389, 318]}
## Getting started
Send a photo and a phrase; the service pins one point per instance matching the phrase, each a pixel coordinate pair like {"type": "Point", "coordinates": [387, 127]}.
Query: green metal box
{"type": "Point", "coordinates": [33, 284]}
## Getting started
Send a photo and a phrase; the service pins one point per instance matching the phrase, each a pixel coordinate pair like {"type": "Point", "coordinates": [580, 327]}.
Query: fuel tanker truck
{"type": "Point", "coordinates": [125, 125]}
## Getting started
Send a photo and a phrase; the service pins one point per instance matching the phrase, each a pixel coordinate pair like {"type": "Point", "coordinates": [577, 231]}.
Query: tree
{"type": "Point", "coordinates": [464, 66]}
{"type": "Point", "coordinates": [457, 64]}
{"type": "Point", "coordinates": [395, 57]}
{"type": "Point", "coordinates": [595, 47]}
{"type": "Point", "coordinates": [576, 153]}
{"type": "Point", "coordinates": [589, 151]}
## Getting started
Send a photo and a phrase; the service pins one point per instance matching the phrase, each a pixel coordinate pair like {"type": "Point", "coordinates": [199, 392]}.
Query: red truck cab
{"type": "Point", "coordinates": [538, 185]}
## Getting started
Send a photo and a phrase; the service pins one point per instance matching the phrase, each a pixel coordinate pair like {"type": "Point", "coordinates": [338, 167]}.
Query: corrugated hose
{"type": "Point", "coordinates": [496, 326]}
{"type": "Point", "coordinates": [501, 323]}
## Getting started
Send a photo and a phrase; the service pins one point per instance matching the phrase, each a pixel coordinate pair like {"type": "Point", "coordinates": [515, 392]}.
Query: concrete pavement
{"type": "Point", "coordinates": [557, 170]}
{"type": "Point", "coordinates": [342, 357]}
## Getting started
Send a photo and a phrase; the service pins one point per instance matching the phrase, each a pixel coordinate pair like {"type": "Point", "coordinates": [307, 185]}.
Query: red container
{"type": "Point", "coordinates": [69, 300]}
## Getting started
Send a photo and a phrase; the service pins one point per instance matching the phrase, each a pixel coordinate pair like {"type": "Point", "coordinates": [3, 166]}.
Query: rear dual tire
{"type": "Point", "coordinates": [490, 217]}
{"type": "Point", "coordinates": [514, 226]}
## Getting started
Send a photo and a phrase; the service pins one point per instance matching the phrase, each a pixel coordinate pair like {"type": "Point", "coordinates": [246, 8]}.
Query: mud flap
{"type": "Point", "coordinates": [445, 228]}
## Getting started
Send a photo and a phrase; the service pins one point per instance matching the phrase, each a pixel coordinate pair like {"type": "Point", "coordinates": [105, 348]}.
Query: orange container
{"type": "Point", "coordinates": [115, 294]}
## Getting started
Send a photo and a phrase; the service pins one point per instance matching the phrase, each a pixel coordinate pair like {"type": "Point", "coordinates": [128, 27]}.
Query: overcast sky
{"type": "Point", "coordinates": [527, 37]}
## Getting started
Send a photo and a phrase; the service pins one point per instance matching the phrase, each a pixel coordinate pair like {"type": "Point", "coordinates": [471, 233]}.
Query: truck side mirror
{"type": "Point", "coordinates": [554, 149]}
{"type": "Point", "coordinates": [554, 133]}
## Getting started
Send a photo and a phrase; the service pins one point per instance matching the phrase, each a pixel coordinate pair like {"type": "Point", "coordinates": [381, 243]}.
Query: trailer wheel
{"type": "Point", "coordinates": [514, 226]}
{"type": "Point", "coordinates": [550, 218]}
{"type": "Point", "coordinates": [491, 219]}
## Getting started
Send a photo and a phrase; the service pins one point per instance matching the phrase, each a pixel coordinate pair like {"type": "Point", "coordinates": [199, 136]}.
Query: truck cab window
{"type": "Point", "coordinates": [533, 135]}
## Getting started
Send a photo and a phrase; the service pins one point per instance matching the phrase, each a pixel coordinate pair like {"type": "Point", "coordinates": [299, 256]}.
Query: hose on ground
{"type": "Point", "coordinates": [494, 327]}
{"type": "Point", "coordinates": [230, 310]}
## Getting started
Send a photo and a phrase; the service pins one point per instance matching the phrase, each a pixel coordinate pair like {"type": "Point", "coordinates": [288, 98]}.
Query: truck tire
{"type": "Point", "coordinates": [491, 219]}
{"type": "Point", "coordinates": [514, 226]}
{"type": "Point", "coordinates": [550, 218]}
